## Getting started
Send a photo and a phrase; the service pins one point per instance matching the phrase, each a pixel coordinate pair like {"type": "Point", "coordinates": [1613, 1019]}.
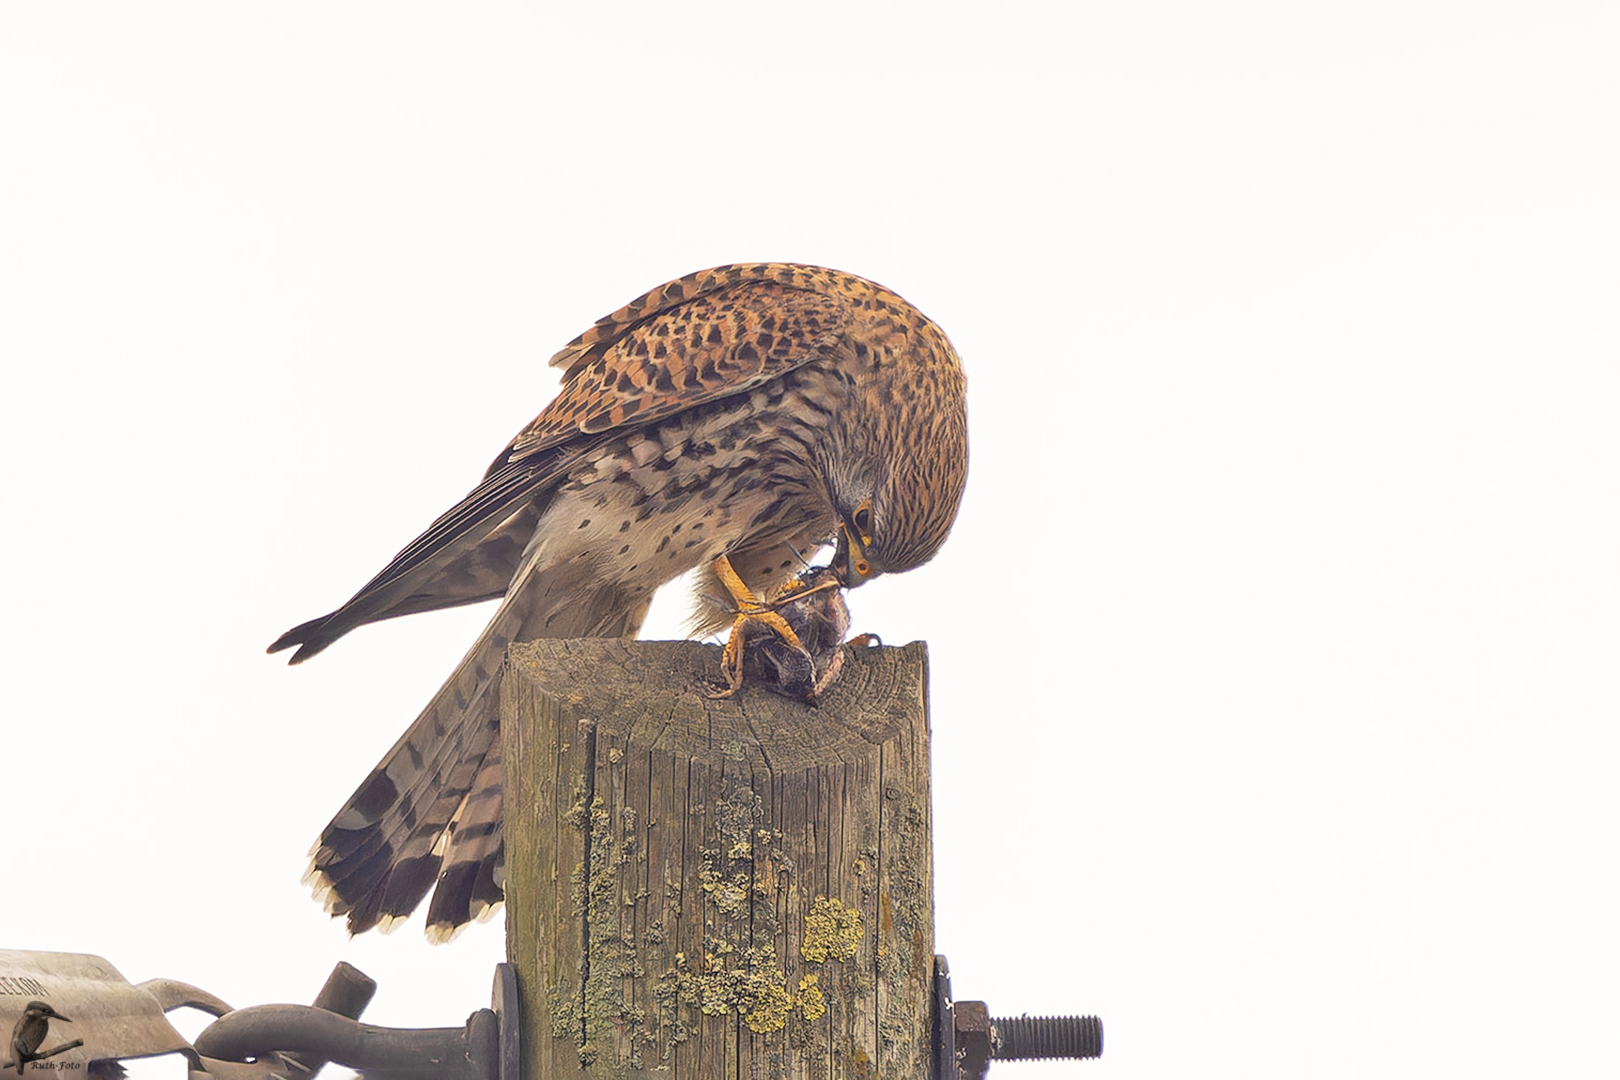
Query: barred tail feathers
{"type": "Point", "coordinates": [429, 815]}
{"type": "Point", "coordinates": [471, 885]}
{"type": "Point", "coordinates": [382, 853]}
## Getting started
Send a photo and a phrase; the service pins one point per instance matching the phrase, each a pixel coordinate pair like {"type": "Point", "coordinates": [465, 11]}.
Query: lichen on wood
{"type": "Point", "coordinates": [831, 931]}
{"type": "Point", "coordinates": [739, 884]}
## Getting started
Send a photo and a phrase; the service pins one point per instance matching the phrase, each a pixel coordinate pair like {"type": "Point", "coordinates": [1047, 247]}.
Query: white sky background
{"type": "Point", "coordinates": [1273, 654]}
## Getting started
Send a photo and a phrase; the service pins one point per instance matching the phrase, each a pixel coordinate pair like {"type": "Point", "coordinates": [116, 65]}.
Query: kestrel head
{"type": "Point", "coordinates": [896, 509]}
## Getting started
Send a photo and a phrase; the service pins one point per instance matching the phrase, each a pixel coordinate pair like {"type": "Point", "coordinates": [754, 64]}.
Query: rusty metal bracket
{"type": "Point", "coordinates": [967, 1038]}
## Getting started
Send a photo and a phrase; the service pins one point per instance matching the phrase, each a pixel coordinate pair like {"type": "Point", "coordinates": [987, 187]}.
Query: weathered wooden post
{"type": "Point", "coordinates": [736, 888]}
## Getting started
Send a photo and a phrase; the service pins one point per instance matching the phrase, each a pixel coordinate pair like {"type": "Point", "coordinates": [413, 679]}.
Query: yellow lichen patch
{"type": "Point", "coordinates": [729, 894]}
{"type": "Point", "coordinates": [771, 1010]}
{"type": "Point", "coordinates": [831, 931]}
{"type": "Point", "coordinates": [811, 1001]}
{"type": "Point", "coordinates": [749, 983]}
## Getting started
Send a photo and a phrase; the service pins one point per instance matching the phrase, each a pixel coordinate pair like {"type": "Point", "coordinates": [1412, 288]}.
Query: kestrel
{"type": "Point", "coordinates": [738, 415]}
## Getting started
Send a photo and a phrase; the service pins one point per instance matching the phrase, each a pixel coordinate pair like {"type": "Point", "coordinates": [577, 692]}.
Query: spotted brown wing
{"type": "Point", "coordinates": [698, 339]}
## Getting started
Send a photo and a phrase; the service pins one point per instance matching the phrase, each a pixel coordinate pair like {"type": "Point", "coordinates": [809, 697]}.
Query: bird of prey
{"type": "Point", "coordinates": [725, 421]}
{"type": "Point", "coordinates": [29, 1034]}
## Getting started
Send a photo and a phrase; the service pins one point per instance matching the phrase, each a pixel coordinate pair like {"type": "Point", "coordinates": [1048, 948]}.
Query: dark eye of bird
{"type": "Point", "coordinates": [863, 520]}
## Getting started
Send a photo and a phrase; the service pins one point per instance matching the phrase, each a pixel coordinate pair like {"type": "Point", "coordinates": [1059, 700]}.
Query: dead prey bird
{"type": "Point", "coordinates": [800, 652]}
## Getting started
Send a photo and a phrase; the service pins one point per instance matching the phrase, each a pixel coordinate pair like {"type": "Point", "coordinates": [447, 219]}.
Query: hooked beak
{"type": "Point", "coordinates": [850, 562]}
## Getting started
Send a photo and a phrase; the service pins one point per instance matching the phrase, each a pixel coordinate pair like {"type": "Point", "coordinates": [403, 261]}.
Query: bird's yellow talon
{"type": "Point", "coordinates": [751, 609]}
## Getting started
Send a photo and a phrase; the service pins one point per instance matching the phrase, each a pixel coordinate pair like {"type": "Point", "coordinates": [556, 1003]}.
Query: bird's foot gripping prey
{"type": "Point", "coordinates": [792, 644]}
{"type": "Point", "coordinates": [746, 412]}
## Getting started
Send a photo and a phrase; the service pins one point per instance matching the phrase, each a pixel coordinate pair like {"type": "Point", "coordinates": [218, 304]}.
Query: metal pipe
{"type": "Point", "coordinates": [311, 1033]}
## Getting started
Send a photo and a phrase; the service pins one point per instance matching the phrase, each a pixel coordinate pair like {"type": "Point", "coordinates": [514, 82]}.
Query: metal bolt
{"type": "Point", "coordinates": [1030, 1038]}
{"type": "Point", "coordinates": [967, 1039]}
{"type": "Point", "coordinates": [975, 1041]}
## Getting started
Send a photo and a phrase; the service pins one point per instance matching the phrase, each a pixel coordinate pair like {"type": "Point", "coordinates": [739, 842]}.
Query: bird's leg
{"type": "Point", "coordinates": [750, 608]}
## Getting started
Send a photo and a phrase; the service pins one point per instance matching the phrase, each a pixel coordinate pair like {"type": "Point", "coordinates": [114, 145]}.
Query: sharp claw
{"type": "Point", "coordinates": [818, 618]}
{"type": "Point", "coordinates": [751, 609]}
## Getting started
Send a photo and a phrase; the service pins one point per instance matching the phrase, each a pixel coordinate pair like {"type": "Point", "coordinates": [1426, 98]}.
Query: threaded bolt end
{"type": "Point", "coordinates": [1030, 1038]}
